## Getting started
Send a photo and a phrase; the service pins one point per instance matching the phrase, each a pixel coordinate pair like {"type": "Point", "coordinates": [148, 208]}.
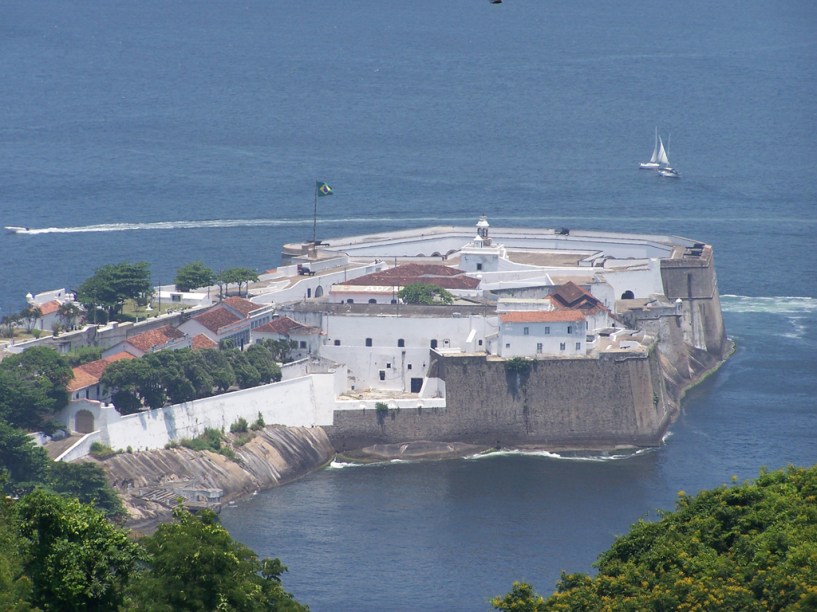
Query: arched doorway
{"type": "Point", "coordinates": [318, 291]}
{"type": "Point", "coordinates": [84, 422]}
{"type": "Point", "coordinates": [628, 295]}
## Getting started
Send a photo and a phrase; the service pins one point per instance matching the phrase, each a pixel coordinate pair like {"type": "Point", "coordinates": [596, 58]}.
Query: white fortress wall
{"type": "Point", "coordinates": [308, 285]}
{"type": "Point", "coordinates": [642, 282]}
{"type": "Point", "coordinates": [301, 402]}
{"type": "Point", "coordinates": [365, 363]}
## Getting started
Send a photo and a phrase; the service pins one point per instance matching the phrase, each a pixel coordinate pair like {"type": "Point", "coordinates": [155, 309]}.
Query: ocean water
{"type": "Point", "coordinates": [168, 131]}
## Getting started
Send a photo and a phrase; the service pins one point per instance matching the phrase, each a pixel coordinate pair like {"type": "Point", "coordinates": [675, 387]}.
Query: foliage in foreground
{"type": "Point", "coordinates": [424, 293]}
{"type": "Point", "coordinates": [59, 554]}
{"type": "Point", "coordinates": [747, 547]}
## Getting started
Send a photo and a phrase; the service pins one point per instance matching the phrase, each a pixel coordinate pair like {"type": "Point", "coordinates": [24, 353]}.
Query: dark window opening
{"type": "Point", "coordinates": [382, 374]}
{"type": "Point", "coordinates": [401, 342]}
{"type": "Point", "coordinates": [368, 341]}
{"type": "Point", "coordinates": [628, 295]}
{"type": "Point", "coordinates": [434, 343]}
{"type": "Point", "coordinates": [337, 342]}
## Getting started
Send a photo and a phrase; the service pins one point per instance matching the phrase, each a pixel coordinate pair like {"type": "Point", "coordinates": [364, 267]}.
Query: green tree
{"type": "Point", "coordinates": [522, 598]}
{"type": "Point", "coordinates": [193, 276]}
{"type": "Point", "coordinates": [24, 463]}
{"type": "Point", "coordinates": [262, 360]}
{"type": "Point", "coordinates": [194, 564]}
{"type": "Point", "coordinates": [75, 558]}
{"type": "Point", "coordinates": [86, 482]}
{"type": "Point", "coordinates": [83, 354]}
{"type": "Point", "coordinates": [219, 368]}
{"type": "Point", "coordinates": [751, 546]}
{"type": "Point", "coordinates": [112, 284]}
{"type": "Point", "coordinates": [69, 313]}
{"type": "Point", "coordinates": [424, 293]}
{"type": "Point", "coordinates": [238, 276]}
{"type": "Point", "coordinates": [33, 386]}
{"type": "Point", "coordinates": [246, 375]}
{"type": "Point", "coordinates": [15, 586]}
{"type": "Point", "coordinates": [29, 315]}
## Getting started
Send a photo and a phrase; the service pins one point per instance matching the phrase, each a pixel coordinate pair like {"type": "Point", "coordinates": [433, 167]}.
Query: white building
{"type": "Point", "coordinates": [541, 333]}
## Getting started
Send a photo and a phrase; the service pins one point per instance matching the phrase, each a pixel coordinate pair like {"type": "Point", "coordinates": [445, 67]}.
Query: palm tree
{"type": "Point", "coordinates": [68, 314]}
{"type": "Point", "coordinates": [30, 314]}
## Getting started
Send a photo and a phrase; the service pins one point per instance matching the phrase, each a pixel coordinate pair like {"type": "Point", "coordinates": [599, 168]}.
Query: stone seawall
{"type": "Point", "coordinates": [557, 403]}
{"type": "Point", "coordinates": [150, 483]}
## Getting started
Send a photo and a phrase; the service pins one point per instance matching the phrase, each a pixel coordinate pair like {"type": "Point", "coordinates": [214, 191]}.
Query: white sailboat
{"type": "Point", "coordinates": [653, 164]}
{"type": "Point", "coordinates": [664, 169]}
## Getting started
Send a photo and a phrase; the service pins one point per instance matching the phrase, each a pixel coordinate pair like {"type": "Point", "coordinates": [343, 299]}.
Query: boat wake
{"type": "Point", "coordinates": [568, 456]}
{"type": "Point", "coordinates": [798, 311]}
{"type": "Point", "coordinates": [786, 305]}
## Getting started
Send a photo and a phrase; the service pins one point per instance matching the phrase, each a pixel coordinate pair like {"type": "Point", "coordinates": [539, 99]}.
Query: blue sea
{"type": "Point", "coordinates": [172, 131]}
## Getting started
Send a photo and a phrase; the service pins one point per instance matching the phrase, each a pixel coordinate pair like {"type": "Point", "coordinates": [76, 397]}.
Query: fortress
{"type": "Point", "coordinates": [555, 338]}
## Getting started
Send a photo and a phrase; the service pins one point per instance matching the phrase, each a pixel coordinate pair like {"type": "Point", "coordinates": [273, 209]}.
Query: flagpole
{"type": "Point", "coordinates": [315, 217]}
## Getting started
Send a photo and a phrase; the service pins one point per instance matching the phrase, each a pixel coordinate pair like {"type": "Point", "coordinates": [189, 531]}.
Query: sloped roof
{"type": "Point", "coordinates": [245, 307]}
{"type": "Point", "coordinates": [89, 373]}
{"type": "Point", "coordinates": [200, 342]}
{"type": "Point", "coordinates": [542, 316]}
{"type": "Point", "coordinates": [216, 318]}
{"type": "Point", "coordinates": [571, 295]}
{"type": "Point", "coordinates": [149, 340]}
{"type": "Point", "coordinates": [49, 307]}
{"type": "Point", "coordinates": [432, 274]}
{"type": "Point", "coordinates": [285, 327]}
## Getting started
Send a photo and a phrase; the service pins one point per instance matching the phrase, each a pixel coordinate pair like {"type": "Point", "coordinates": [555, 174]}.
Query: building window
{"type": "Point", "coordinates": [578, 346]}
{"type": "Point", "coordinates": [434, 343]}
{"type": "Point", "coordinates": [526, 331]}
{"type": "Point", "coordinates": [479, 266]}
{"type": "Point", "coordinates": [480, 343]}
{"type": "Point", "coordinates": [382, 374]}
{"type": "Point", "coordinates": [508, 345]}
{"type": "Point", "coordinates": [569, 329]}
{"type": "Point", "coordinates": [561, 346]}
{"type": "Point", "coordinates": [303, 344]}
{"type": "Point", "coordinates": [372, 301]}
{"type": "Point", "coordinates": [368, 341]}
{"type": "Point", "coordinates": [401, 342]}
{"type": "Point", "coordinates": [409, 367]}
{"type": "Point", "coordinates": [547, 331]}
{"type": "Point", "coordinates": [388, 366]}
{"type": "Point", "coordinates": [539, 347]}
{"type": "Point", "coordinates": [350, 301]}
{"type": "Point", "coordinates": [337, 342]}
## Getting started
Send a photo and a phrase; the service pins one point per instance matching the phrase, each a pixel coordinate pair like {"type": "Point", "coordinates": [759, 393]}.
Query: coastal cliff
{"type": "Point", "coordinates": [151, 483]}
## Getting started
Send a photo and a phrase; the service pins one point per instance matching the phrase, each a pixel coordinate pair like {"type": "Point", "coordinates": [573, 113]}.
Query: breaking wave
{"type": "Point", "coordinates": [786, 305]}
{"type": "Point", "coordinates": [595, 457]}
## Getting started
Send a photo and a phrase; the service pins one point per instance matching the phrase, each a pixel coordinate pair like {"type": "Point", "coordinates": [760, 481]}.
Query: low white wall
{"type": "Point", "coordinates": [82, 447]}
{"type": "Point", "coordinates": [371, 404]}
{"type": "Point", "coordinates": [300, 402]}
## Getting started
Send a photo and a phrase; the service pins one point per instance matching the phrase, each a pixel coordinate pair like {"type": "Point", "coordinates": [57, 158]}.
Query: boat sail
{"type": "Point", "coordinates": [664, 169]}
{"type": "Point", "coordinates": [653, 164]}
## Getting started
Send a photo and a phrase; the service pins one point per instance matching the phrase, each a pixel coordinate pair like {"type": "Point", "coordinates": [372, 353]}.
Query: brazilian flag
{"type": "Point", "coordinates": [323, 189]}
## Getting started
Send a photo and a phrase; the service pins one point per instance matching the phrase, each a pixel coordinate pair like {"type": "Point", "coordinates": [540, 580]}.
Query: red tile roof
{"type": "Point", "coordinates": [541, 316]}
{"type": "Point", "coordinates": [286, 326]}
{"type": "Point", "coordinates": [245, 307]}
{"type": "Point", "coordinates": [200, 341]}
{"type": "Point", "coordinates": [432, 274]}
{"type": "Point", "coordinates": [216, 318]}
{"type": "Point", "coordinates": [149, 340]}
{"type": "Point", "coordinates": [89, 373]}
{"type": "Point", "coordinates": [49, 308]}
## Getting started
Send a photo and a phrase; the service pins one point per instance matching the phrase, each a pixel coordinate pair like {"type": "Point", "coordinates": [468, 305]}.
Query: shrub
{"type": "Point", "coordinates": [518, 365]}
{"type": "Point", "coordinates": [209, 440]}
{"type": "Point", "coordinates": [240, 426]}
{"type": "Point", "coordinates": [100, 451]}
{"type": "Point", "coordinates": [259, 423]}
{"type": "Point", "coordinates": [381, 407]}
